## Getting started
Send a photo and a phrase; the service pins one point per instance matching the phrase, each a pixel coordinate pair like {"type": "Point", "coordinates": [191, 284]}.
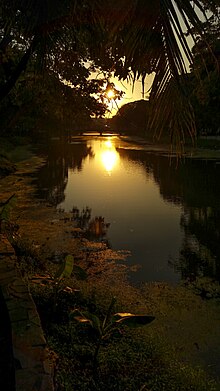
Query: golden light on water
{"type": "Point", "coordinates": [108, 144]}
{"type": "Point", "coordinates": [109, 156]}
{"type": "Point", "coordinates": [109, 159]}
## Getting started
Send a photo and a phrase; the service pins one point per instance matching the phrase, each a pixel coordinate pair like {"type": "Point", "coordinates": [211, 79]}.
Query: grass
{"type": "Point", "coordinates": [131, 360]}
{"type": "Point", "coordinates": [13, 151]}
{"type": "Point", "coordinates": [208, 143]}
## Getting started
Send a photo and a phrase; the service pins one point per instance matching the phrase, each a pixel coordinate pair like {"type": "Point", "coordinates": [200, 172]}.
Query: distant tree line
{"type": "Point", "coordinates": [132, 118]}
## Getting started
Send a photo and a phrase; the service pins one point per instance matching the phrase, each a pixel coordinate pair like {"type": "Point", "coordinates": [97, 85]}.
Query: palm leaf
{"type": "Point", "coordinates": [159, 44]}
{"type": "Point", "coordinates": [66, 268]}
{"type": "Point", "coordinates": [79, 272]}
{"type": "Point", "coordinates": [132, 320]}
{"type": "Point", "coordinates": [86, 317]}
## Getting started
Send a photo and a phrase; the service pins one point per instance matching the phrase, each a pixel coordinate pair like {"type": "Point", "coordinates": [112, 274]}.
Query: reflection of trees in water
{"type": "Point", "coordinates": [92, 228]}
{"type": "Point", "coordinates": [201, 245]}
{"type": "Point", "coordinates": [53, 176]}
{"type": "Point", "coordinates": [194, 185]}
{"type": "Point", "coordinates": [192, 182]}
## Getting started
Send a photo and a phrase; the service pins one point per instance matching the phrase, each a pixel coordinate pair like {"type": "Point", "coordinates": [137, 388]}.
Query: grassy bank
{"type": "Point", "coordinates": [164, 355]}
{"type": "Point", "coordinates": [12, 151]}
{"type": "Point", "coordinates": [203, 147]}
{"type": "Point", "coordinates": [129, 359]}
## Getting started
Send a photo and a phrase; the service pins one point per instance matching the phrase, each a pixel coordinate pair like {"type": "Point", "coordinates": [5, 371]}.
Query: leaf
{"type": "Point", "coordinates": [94, 320]}
{"type": "Point", "coordinates": [77, 315]}
{"type": "Point", "coordinates": [132, 320]}
{"type": "Point", "coordinates": [79, 272]}
{"type": "Point", "coordinates": [122, 314]}
{"type": "Point", "coordinates": [80, 317]}
{"type": "Point", "coordinates": [86, 317]}
{"type": "Point", "coordinates": [69, 289]}
{"type": "Point", "coordinates": [42, 280]}
{"type": "Point", "coordinates": [108, 316]}
{"type": "Point", "coordinates": [69, 260]}
{"type": "Point", "coordinates": [6, 208]}
{"type": "Point", "coordinates": [66, 268]}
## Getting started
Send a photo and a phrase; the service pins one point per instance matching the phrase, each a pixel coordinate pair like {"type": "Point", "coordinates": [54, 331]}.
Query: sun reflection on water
{"type": "Point", "coordinates": [109, 156]}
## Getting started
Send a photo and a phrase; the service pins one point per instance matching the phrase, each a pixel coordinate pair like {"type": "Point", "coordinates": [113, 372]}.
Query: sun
{"type": "Point", "coordinates": [110, 94]}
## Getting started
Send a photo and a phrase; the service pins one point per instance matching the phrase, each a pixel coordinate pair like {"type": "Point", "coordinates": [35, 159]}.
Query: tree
{"type": "Point", "coordinates": [130, 38]}
{"type": "Point", "coordinates": [62, 93]}
{"type": "Point", "coordinates": [38, 99]}
{"type": "Point", "coordinates": [150, 38]}
{"type": "Point", "coordinates": [205, 80]}
{"type": "Point", "coordinates": [132, 118]}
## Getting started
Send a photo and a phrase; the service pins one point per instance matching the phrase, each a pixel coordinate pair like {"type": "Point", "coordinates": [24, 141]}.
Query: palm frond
{"type": "Point", "coordinates": [173, 112]}
{"type": "Point", "coordinates": [159, 44]}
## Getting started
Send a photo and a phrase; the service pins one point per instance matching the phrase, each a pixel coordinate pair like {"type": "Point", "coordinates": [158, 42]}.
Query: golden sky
{"type": "Point", "coordinates": [131, 93]}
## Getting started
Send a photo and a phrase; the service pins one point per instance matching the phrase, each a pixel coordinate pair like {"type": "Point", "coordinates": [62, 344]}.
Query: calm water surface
{"type": "Point", "coordinates": [167, 216]}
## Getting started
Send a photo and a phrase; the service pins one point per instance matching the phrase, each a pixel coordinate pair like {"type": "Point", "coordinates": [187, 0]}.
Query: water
{"type": "Point", "coordinates": [167, 216]}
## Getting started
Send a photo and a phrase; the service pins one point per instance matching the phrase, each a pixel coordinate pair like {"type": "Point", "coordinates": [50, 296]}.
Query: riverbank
{"type": "Point", "coordinates": [182, 333]}
{"type": "Point", "coordinates": [205, 147]}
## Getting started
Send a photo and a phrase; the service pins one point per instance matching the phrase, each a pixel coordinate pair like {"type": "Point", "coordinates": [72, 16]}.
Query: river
{"type": "Point", "coordinates": [166, 215]}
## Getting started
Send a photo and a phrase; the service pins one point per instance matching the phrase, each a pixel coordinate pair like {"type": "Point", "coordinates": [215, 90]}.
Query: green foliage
{"type": "Point", "coordinates": [6, 165]}
{"type": "Point", "coordinates": [131, 360]}
{"type": "Point", "coordinates": [58, 280]}
{"type": "Point", "coordinates": [205, 287]}
{"type": "Point", "coordinates": [63, 272]}
{"type": "Point", "coordinates": [110, 323]}
{"type": "Point", "coordinates": [65, 269]}
{"type": "Point", "coordinates": [204, 79]}
{"type": "Point", "coordinates": [5, 210]}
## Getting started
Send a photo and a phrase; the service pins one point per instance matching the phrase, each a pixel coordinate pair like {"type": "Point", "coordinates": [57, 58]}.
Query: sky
{"type": "Point", "coordinates": [131, 93]}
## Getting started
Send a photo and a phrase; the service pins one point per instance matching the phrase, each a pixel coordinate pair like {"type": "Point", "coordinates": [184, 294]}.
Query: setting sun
{"type": "Point", "coordinates": [110, 94]}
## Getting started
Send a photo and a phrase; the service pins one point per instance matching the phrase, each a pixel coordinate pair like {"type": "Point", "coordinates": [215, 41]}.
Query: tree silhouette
{"type": "Point", "coordinates": [131, 38]}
